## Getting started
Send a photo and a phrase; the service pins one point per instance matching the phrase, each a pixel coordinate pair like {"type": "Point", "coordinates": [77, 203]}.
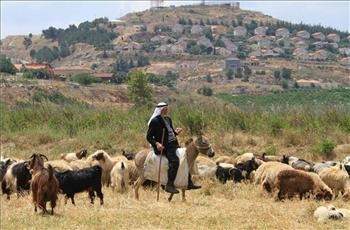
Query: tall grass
{"type": "Point", "coordinates": [54, 120]}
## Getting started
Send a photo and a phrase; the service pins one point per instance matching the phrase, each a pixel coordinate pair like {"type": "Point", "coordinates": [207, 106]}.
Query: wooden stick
{"type": "Point", "coordinates": [160, 165]}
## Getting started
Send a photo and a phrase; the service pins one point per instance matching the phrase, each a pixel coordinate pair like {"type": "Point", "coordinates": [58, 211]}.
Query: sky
{"type": "Point", "coordinates": [24, 17]}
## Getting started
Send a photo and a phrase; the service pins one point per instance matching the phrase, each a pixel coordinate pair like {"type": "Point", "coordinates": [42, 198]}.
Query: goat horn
{"type": "Point", "coordinates": [42, 155]}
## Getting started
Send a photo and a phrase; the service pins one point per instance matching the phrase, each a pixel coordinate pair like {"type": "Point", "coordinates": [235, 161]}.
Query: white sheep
{"type": "Point", "coordinates": [106, 162]}
{"type": "Point", "coordinates": [337, 179]}
{"type": "Point", "coordinates": [203, 168]}
{"type": "Point", "coordinates": [58, 165]}
{"type": "Point", "coordinates": [69, 157]}
{"type": "Point", "coordinates": [324, 213]}
{"type": "Point", "coordinates": [225, 159]}
{"type": "Point", "coordinates": [244, 158]}
{"type": "Point", "coordinates": [120, 176]}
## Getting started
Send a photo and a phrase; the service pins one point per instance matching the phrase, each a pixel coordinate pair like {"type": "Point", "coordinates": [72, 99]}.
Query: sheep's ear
{"type": "Point", "coordinates": [189, 141]}
{"type": "Point", "coordinates": [263, 155]}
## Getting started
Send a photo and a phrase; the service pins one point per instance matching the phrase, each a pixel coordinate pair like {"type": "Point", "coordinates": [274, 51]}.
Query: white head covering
{"type": "Point", "coordinates": [157, 111]}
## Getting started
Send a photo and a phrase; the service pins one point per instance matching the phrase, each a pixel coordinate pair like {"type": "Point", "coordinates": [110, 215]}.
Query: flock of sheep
{"type": "Point", "coordinates": [280, 176]}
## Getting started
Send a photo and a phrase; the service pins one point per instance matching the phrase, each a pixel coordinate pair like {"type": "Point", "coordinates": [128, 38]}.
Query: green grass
{"type": "Point", "coordinates": [301, 97]}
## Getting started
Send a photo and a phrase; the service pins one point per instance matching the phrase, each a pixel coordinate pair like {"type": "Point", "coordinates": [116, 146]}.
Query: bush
{"type": "Point", "coordinates": [169, 79]}
{"type": "Point", "coordinates": [208, 78]}
{"type": "Point", "coordinates": [205, 90]}
{"type": "Point", "coordinates": [46, 54]}
{"type": "Point", "coordinates": [229, 74]}
{"type": "Point", "coordinates": [326, 147]}
{"type": "Point", "coordinates": [85, 79]}
{"type": "Point", "coordinates": [285, 84]}
{"type": "Point", "coordinates": [37, 74]}
{"type": "Point", "coordinates": [6, 65]}
{"type": "Point", "coordinates": [193, 121]}
{"type": "Point", "coordinates": [138, 89]}
{"type": "Point", "coordinates": [286, 73]}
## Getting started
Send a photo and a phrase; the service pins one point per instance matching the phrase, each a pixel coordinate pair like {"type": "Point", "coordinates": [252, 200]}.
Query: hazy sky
{"type": "Point", "coordinates": [24, 17]}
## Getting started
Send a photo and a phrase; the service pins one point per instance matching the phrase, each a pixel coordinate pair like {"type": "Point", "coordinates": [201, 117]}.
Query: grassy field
{"type": "Point", "coordinates": [52, 124]}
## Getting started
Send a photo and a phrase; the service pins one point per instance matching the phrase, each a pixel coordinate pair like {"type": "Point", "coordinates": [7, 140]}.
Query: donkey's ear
{"type": "Point", "coordinates": [189, 141]}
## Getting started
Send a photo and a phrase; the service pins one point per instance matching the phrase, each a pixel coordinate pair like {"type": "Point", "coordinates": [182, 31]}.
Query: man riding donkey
{"type": "Point", "coordinates": [162, 136]}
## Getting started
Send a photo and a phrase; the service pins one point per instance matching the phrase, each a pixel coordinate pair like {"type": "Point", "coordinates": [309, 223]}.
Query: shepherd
{"type": "Point", "coordinates": [166, 143]}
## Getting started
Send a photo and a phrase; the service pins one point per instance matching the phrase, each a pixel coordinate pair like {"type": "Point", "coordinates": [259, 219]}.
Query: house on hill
{"type": "Point", "coordinates": [303, 34]}
{"type": "Point", "coordinates": [36, 66]}
{"type": "Point", "coordinates": [240, 31]}
{"type": "Point", "coordinates": [319, 36]}
{"type": "Point", "coordinates": [282, 32]}
{"type": "Point", "coordinates": [333, 37]}
{"type": "Point", "coordinates": [261, 30]}
{"type": "Point", "coordinates": [232, 63]}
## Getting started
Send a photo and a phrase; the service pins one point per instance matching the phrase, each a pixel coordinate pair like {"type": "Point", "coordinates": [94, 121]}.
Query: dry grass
{"type": "Point", "coordinates": [215, 206]}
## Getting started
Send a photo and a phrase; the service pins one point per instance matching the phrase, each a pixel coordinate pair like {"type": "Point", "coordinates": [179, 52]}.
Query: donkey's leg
{"type": "Point", "coordinates": [137, 186]}
{"type": "Point", "coordinates": [183, 195]}
{"type": "Point", "coordinates": [170, 197]}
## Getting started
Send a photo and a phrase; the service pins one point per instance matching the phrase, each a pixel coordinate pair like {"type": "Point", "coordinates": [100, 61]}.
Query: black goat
{"type": "Point", "coordinates": [223, 174]}
{"type": "Point", "coordinates": [87, 179]}
{"type": "Point", "coordinates": [4, 164]}
{"type": "Point", "coordinates": [247, 167]}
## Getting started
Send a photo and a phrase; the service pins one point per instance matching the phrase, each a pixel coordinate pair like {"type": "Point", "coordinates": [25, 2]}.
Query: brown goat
{"type": "Point", "coordinates": [44, 184]}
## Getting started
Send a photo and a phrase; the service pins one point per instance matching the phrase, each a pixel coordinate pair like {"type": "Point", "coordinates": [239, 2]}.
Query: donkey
{"type": "Point", "coordinates": [193, 148]}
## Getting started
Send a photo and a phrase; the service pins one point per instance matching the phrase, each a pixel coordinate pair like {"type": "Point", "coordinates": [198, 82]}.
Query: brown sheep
{"type": "Point", "coordinates": [293, 182]}
{"type": "Point", "coordinates": [69, 157]}
{"type": "Point", "coordinates": [337, 179]}
{"type": "Point", "coordinates": [44, 184]}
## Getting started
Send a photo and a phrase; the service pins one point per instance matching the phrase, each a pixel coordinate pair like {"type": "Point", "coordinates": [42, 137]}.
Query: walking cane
{"type": "Point", "coordinates": [160, 164]}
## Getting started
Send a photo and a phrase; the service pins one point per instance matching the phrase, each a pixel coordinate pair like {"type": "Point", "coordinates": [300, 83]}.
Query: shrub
{"type": "Point", "coordinates": [6, 65]}
{"type": "Point", "coordinates": [286, 73]}
{"type": "Point", "coordinates": [193, 121]}
{"type": "Point", "coordinates": [285, 84]}
{"type": "Point", "coordinates": [37, 74]}
{"type": "Point", "coordinates": [205, 90]}
{"type": "Point", "coordinates": [138, 89]}
{"type": "Point", "coordinates": [326, 147]}
{"type": "Point", "coordinates": [229, 74]}
{"type": "Point", "coordinates": [208, 78]}
{"type": "Point", "coordinates": [85, 79]}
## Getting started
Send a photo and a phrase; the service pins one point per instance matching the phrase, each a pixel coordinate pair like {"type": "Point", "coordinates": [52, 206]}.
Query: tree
{"type": "Point", "coordinates": [85, 79]}
{"type": "Point", "coordinates": [277, 74]}
{"type": "Point", "coordinates": [229, 74]}
{"type": "Point", "coordinates": [285, 84]}
{"type": "Point", "coordinates": [45, 54]}
{"type": "Point", "coordinates": [239, 73]}
{"type": "Point", "coordinates": [205, 90]}
{"type": "Point", "coordinates": [139, 91]}
{"type": "Point", "coordinates": [247, 71]}
{"type": "Point", "coordinates": [94, 66]}
{"type": "Point", "coordinates": [208, 33]}
{"type": "Point", "coordinates": [64, 49]}
{"type": "Point", "coordinates": [190, 22]}
{"type": "Point", "coordinates": [201, 22]}
{"type": "Point", "coordinates": [27, 42]}
{"type": "Point", "coordinates": [30, 35]}
{"type": "Point", "coordinates": [32, 53]}
{"type": "Point", "coordinates": [208, 78]}
{"type": "Point", "coordinates": [6, 65]}
{"type": "Point", "coordinates": [286, 73]}
{"type": "Point", "coordinates": [219, 43]}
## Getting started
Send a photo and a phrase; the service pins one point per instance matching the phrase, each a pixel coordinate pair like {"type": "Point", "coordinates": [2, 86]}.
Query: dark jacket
{"type": "Point", "coordinates": [155, 132]}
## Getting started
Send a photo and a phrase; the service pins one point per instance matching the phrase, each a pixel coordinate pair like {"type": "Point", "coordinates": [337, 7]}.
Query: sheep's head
{"type": "Point", "coordinates": [99, 156]}
{"type": "Point", "coordinates": [203, 146]}
{"type": "Point", "coordinates": [324, 194]}
{"type": "Point", "coordinates": [82, 154]}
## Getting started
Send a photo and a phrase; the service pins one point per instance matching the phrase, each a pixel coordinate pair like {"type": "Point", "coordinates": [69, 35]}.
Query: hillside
{"type": "Point", "coordinates": [194, 41]}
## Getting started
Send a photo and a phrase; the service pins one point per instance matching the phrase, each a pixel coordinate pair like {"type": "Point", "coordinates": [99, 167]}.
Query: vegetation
{"type": "Point", "coordinates": [87, 32]}
{"type": "Point", "coordinates": [6, 65]}
{"type": "Point", "coordinates": [46, 54]}
{"type": "Point", "coordinates": [138, 89]}
{"type": "Point", "coordinates": [169, 79]}
{"type": "Point", "coordinates": [85, 79]}
{"type": "Point", "coordinates": [37, 74]}
{"type": "Point", "coordinates": [206, 91]}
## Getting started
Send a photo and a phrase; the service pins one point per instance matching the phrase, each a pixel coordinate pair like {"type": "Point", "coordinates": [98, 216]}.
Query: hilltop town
{"type": "Point", "coordinates": [220, 47]}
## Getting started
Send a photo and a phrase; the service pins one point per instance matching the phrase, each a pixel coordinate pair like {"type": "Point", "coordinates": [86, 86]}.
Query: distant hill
{"type": "Point", "coordinates": [192, 40]}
